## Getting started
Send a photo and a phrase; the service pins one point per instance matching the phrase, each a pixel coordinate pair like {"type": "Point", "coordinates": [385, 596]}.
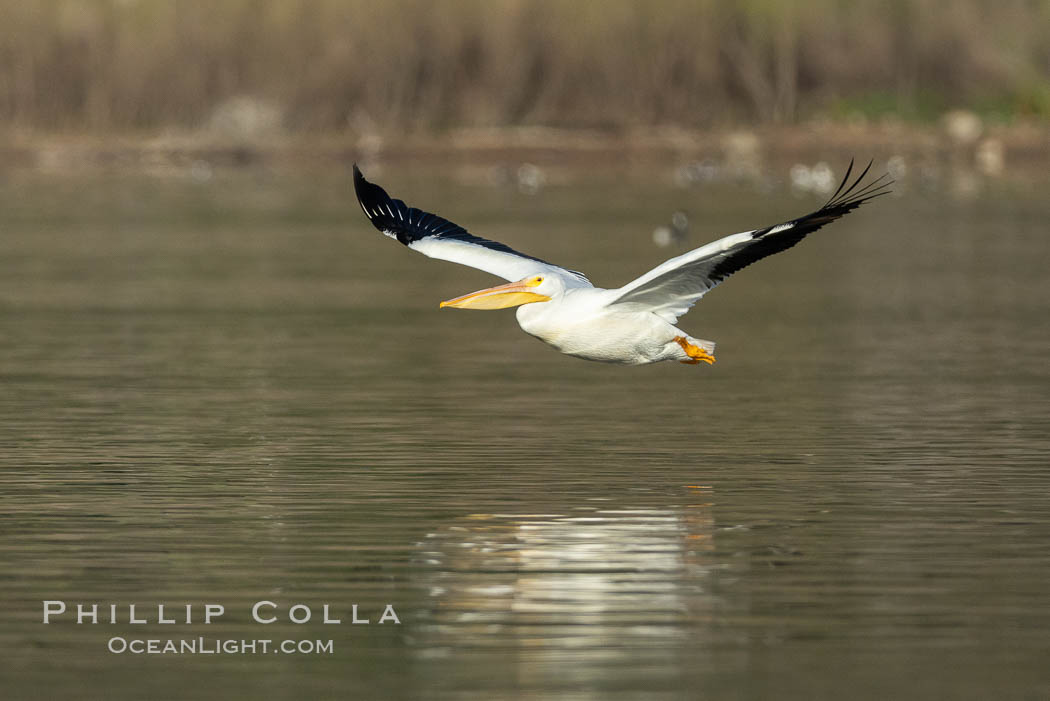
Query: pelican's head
{"type": "Point", "coordinates": [536, 288]}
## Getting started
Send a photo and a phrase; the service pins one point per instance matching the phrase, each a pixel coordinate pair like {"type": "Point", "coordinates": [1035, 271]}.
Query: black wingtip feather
{"type": "Point", "coordinates": [408, 224]}
{"type": "Point", "coordinates": [852, 197]}
{"type": "Point", "coordinates": [845, 178]}
{"type": "Point", "coordinates": [395, 218]}
{"type": "Point", "coordinates": [775, 239]}
{"type": "Point", "coordinates": [373, 200]}
{"type": "Point", "coordinates": [845, 199]}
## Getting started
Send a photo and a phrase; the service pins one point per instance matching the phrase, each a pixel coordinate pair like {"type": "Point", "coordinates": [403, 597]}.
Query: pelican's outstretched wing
{"type": "Point", "coordinates": [439, 238]}
{"type": "Point", "coordinates": [674, 286]}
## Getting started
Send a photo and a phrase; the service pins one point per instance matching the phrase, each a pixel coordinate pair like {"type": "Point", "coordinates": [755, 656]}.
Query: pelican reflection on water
{"type": "Point", "coordinates": [600, 580]}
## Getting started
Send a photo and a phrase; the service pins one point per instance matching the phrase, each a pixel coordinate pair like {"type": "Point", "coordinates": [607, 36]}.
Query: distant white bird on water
{"type": "Point", "coordinates": [675, 234]}
{"type": "Point", "coordinates": [630, 325]}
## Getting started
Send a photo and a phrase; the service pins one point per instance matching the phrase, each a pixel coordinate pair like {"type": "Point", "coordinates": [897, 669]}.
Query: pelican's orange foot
{"type": "Point", "coordinates": [696, 353]}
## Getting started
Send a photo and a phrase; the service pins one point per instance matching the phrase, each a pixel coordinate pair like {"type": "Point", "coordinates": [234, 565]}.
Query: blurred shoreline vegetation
{"type": "Point", "coordinates": [414, 66]}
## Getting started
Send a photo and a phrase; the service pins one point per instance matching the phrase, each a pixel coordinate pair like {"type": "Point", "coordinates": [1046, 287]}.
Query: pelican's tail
{"type": "Point", "coordinates": [708, 346]}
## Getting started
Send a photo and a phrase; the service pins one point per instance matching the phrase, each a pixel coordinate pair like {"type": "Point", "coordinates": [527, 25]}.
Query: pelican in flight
{"type": "Point", "coordinates": [630, 325]}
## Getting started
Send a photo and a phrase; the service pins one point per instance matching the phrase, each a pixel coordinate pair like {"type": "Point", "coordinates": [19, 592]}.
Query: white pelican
{"type": "Point", "coordinates": [631, 325]}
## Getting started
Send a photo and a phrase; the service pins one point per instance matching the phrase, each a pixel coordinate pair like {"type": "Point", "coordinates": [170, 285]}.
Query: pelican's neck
{"type": "Point", "coordinates": [535, 311]}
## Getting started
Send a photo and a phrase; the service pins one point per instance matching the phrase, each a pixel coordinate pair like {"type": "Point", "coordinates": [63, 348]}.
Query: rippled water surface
{"type": "Point", "coordinates": [236, 391]}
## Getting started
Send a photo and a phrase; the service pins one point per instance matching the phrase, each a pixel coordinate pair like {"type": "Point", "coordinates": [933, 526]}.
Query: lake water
{"type": "Point", "coordinates": [234, 390]}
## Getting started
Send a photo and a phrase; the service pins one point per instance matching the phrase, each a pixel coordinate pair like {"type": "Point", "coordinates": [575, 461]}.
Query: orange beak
{"type": "Point", "coordinates": [512, 294]}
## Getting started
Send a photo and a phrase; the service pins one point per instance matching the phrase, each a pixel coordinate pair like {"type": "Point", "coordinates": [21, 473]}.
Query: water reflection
{"type": "Point", "coordinates": [607, 584]}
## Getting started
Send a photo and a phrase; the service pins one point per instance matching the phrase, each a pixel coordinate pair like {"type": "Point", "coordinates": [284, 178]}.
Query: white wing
{"type": "Point", "coordinates": [671, 288]}
{"type": "Point", "coordinates": [439, 238]}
